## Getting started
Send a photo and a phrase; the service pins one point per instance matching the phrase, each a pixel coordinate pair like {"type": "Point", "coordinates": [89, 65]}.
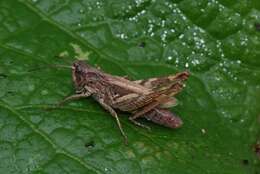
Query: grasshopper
{"type": "Point", "coordinates": [143, 98]}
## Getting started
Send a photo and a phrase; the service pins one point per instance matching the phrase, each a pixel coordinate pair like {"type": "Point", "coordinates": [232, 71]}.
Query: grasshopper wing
{"type": "Point", "coordinates": [133, 101]}
{"type": "Point", "coordinates": [162, 83]}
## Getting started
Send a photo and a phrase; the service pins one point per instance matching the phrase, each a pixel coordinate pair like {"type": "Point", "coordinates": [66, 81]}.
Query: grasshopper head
{"type": "Point", "coordinates": [80, 67]}
{"type": "Point", "coordinates": [79, 71]}
{"type": "Point", "coordinates": [83, 74]}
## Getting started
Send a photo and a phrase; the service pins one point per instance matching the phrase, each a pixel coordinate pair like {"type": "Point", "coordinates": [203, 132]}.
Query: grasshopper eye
{"type": "Point", "coordinates": [77, 67]}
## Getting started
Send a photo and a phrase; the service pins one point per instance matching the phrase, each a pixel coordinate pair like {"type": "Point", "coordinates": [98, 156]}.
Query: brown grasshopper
{"type": "Point", "coordinates": [142, 98]}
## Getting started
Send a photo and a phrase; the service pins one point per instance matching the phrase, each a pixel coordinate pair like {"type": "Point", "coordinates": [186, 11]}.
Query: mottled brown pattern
{"type": "Point", "coordinates": [142, 98]}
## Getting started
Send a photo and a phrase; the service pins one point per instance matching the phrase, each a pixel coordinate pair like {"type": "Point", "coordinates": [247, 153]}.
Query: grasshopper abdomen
{"type": "Point", "coordinates": [164, 117]}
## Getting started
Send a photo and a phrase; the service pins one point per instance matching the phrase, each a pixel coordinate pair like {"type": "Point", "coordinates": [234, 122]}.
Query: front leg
{"type": "Point", "coordinates": [74, 97]}
{"type": "Point", "coordinates": [114, 114]}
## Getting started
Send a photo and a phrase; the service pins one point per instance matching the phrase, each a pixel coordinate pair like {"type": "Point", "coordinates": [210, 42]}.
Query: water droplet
{"type": "Point", "coordinates": [181, 36]}
{"type": "Point", "coordinates": [172, 30]}
{"type": "Point", "coordinates": [138, 2]}
{"type": "Point", "coordinates": [203, 131]}
{"type": "Point", "coordinates": [81, 11]}
{"type": "Point", "coordinates": [122, 36]}
{"type": "Point", "coordinates": [225, 114]}
{"type": "Point", "coordinates": [195, 62]}
{"type": "Point", "coordinates": [186, 64]}
{"type": "Point", "coordinates": [218, 79]}
{"type": "Point", "coordinates": [98, 3]}
{"type": "Point", "coordinates": [169, 57]}
{"type": "Point", "coordinates": [163, 36]}
{"type": "Point", "coordinates": [143, 12]}
{"type": "Point", "coordinates": [163, 23]}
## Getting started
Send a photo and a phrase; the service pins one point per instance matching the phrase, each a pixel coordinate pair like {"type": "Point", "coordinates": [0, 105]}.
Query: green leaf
{"type": "Point", "coordinates": [218, 41]}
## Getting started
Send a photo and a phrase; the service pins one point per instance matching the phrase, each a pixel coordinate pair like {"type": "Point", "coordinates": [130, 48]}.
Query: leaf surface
{"type": "Point", "coordinates": [216, 40]}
